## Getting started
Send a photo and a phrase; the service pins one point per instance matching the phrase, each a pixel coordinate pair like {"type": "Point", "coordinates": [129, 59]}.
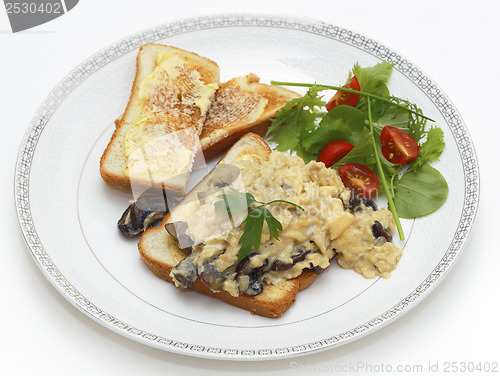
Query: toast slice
{"type": "Point", "coordinates": [157, 136]}
{"type": "Point", "coordinates": [240, 105]}
{"type": "Point", "coordinates": [161, 252]}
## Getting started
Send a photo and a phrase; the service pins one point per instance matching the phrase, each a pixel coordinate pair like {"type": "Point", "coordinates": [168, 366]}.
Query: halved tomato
{"type": "Point", "coordinates": [359, 177]}
{"type": "Point", "coordinates": [341, 97]}
{"type": "Point", "coordinates": [398, 146]}
{"type": "Point", "coordinates": [334, 152]}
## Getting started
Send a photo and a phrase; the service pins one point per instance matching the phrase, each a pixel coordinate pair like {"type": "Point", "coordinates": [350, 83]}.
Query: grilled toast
{"type": "Point", "coordinates": [161, 252]}
{"type": "Point", "coordinates": [156, 138]}
{"type": "Point", "coordinates": [238, 106]}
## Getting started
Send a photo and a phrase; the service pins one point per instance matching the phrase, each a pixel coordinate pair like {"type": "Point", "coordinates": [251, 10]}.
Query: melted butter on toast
{"type": "Point", "coordinates": [173, 104]}
{"type": "Point", "coordinates": [234, 104]}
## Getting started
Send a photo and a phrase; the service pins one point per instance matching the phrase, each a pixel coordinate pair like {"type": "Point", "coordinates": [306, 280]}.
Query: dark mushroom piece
{"type": "Point", "coordinates": [369, 203]}
{"type": "Point", "coordinates": [126, 226]}
{"type": "Point", "coordinates": [178, 231]}
{"type": "Point", "coordinates": [317, 269]}
{"type": "Point", "coordinates": [378, 231]}
{"type": "Point", "coordinates": [356, 203]}
{"type": "Point", "coordinates": [210, 276]}
{"type": "Point", "coordinates": [255, 275]}
{"type": "Point", "coordinates": [185, 272]}
{"type": "Point", "coordinates": [142, 214]}
{"type": "Point", "coordinates": [278, 265]}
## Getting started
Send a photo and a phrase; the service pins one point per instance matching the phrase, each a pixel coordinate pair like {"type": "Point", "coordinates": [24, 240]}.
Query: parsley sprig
{"type": "Point", "coordinates": [253, 222]}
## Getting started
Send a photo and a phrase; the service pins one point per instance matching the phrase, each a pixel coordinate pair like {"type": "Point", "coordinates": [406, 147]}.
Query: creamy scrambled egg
{"type": "Point", "coordinates": [309, 240]}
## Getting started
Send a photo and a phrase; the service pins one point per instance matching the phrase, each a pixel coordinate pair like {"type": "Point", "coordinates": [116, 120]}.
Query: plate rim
{"type": "Point", "coordinates": [132, 42]}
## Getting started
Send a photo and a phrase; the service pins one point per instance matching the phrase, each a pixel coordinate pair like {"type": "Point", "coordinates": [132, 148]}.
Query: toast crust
{"type": "Point", "coordinates": [272, 302]}
{"type": "Point", "coordinates": [254, 304]}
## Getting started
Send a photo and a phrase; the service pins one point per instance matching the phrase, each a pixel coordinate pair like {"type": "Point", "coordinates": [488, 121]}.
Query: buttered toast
{"type": "Point", "coordinates": [240, 105]}
{"type": "Point", "coordinates": [177, 107]}
{"type": "Point", "coordinates": [157, 136]}
{"type": "Point", "coordinates": [160, 250]}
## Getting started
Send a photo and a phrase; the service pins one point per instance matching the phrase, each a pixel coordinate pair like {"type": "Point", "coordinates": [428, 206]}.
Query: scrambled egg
{"type": "Point", "coordinates": [309, 240]}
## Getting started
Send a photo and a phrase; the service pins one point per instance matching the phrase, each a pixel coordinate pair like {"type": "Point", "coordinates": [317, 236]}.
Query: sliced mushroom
{"type": "Point", "coordinates": [126, 226]}
{"type": "Point", "coordinates": [243, 267]}
{"type": "Point", "coordinates": [255, 276]}
{"type": "Point", "coordinates": [278, 265]}
{"type": "Point", "coordinates": [185, 272]}
{"type": "Point", "coordinates": [357, 204]}
{"type": "Point", "coordinates": [369, 203]}
{"type": "Point", "coordinates": [170, 227]}
{"type": "Point", "coordinates": [210, 276]}
{"type": "Point", "coordinates": [378, 231]}
{"type": "Point", "coordinates": [142, 214]}
{"type": "Point", "coordinates": [178, 231]}
{"type": "Point", "coordinates": [317, 269]}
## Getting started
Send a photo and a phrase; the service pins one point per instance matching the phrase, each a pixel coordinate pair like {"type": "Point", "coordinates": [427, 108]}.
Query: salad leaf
{"type": "Point", "coordinates": [296, 119]}
{"type": "Point", "coordinates": [389, 169]}
{"type": "Point", "coordinates": [361, 153]}
{"type": "Point", "coordinates": [393, 117]}
{"type": "Point", "coordinates": [306, 156]}
{"type": "Point", "coordinates": [344, 123]}
{"type": "Point", "coordinates": [420, 192]}
{"type": "Point", "coordinates": [373, 80]}
{"type": "Point", "coordinates": [416, 124]}
{"type": "Point", "coordinates": [431, 149]}
{"type": "Point", "coordinates": [402, 118]}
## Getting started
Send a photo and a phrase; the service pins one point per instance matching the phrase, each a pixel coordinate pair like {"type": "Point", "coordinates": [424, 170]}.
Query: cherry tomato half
{"type": "Point", "coordinates": [341, 97]}
{"type": "Point", "coordinates": [398, 146]}
{"type": "Point", "coordinates": [359, 177]}
{"type": "Point", "coordinates": [334, 152]}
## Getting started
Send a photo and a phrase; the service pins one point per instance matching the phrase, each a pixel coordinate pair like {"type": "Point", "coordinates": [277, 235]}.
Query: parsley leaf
{"type": "Point", "coordinates": [253, 222]}
{"type": "Point", "coordinates": [234, 203]}
{"type": "Point", "coordinates": [273, 224]}
{"type": "Point", "coordinates": [252, 232]}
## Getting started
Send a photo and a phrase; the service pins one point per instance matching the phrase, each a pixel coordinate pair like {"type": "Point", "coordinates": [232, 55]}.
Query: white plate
{"type": "Point", "coordinates": [68, 215]}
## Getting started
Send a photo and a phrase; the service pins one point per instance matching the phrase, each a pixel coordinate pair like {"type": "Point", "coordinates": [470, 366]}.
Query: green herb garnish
{"type": "Point", "coordinates": [253, 221]}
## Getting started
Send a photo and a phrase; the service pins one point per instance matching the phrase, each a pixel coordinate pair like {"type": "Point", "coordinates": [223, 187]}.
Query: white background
{"type": "Point", "coordinates": [454, 42]}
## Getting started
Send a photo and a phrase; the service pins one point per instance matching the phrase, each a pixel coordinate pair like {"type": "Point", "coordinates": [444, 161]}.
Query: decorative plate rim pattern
{"type": "Point", "coordinates": [134, 41]}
